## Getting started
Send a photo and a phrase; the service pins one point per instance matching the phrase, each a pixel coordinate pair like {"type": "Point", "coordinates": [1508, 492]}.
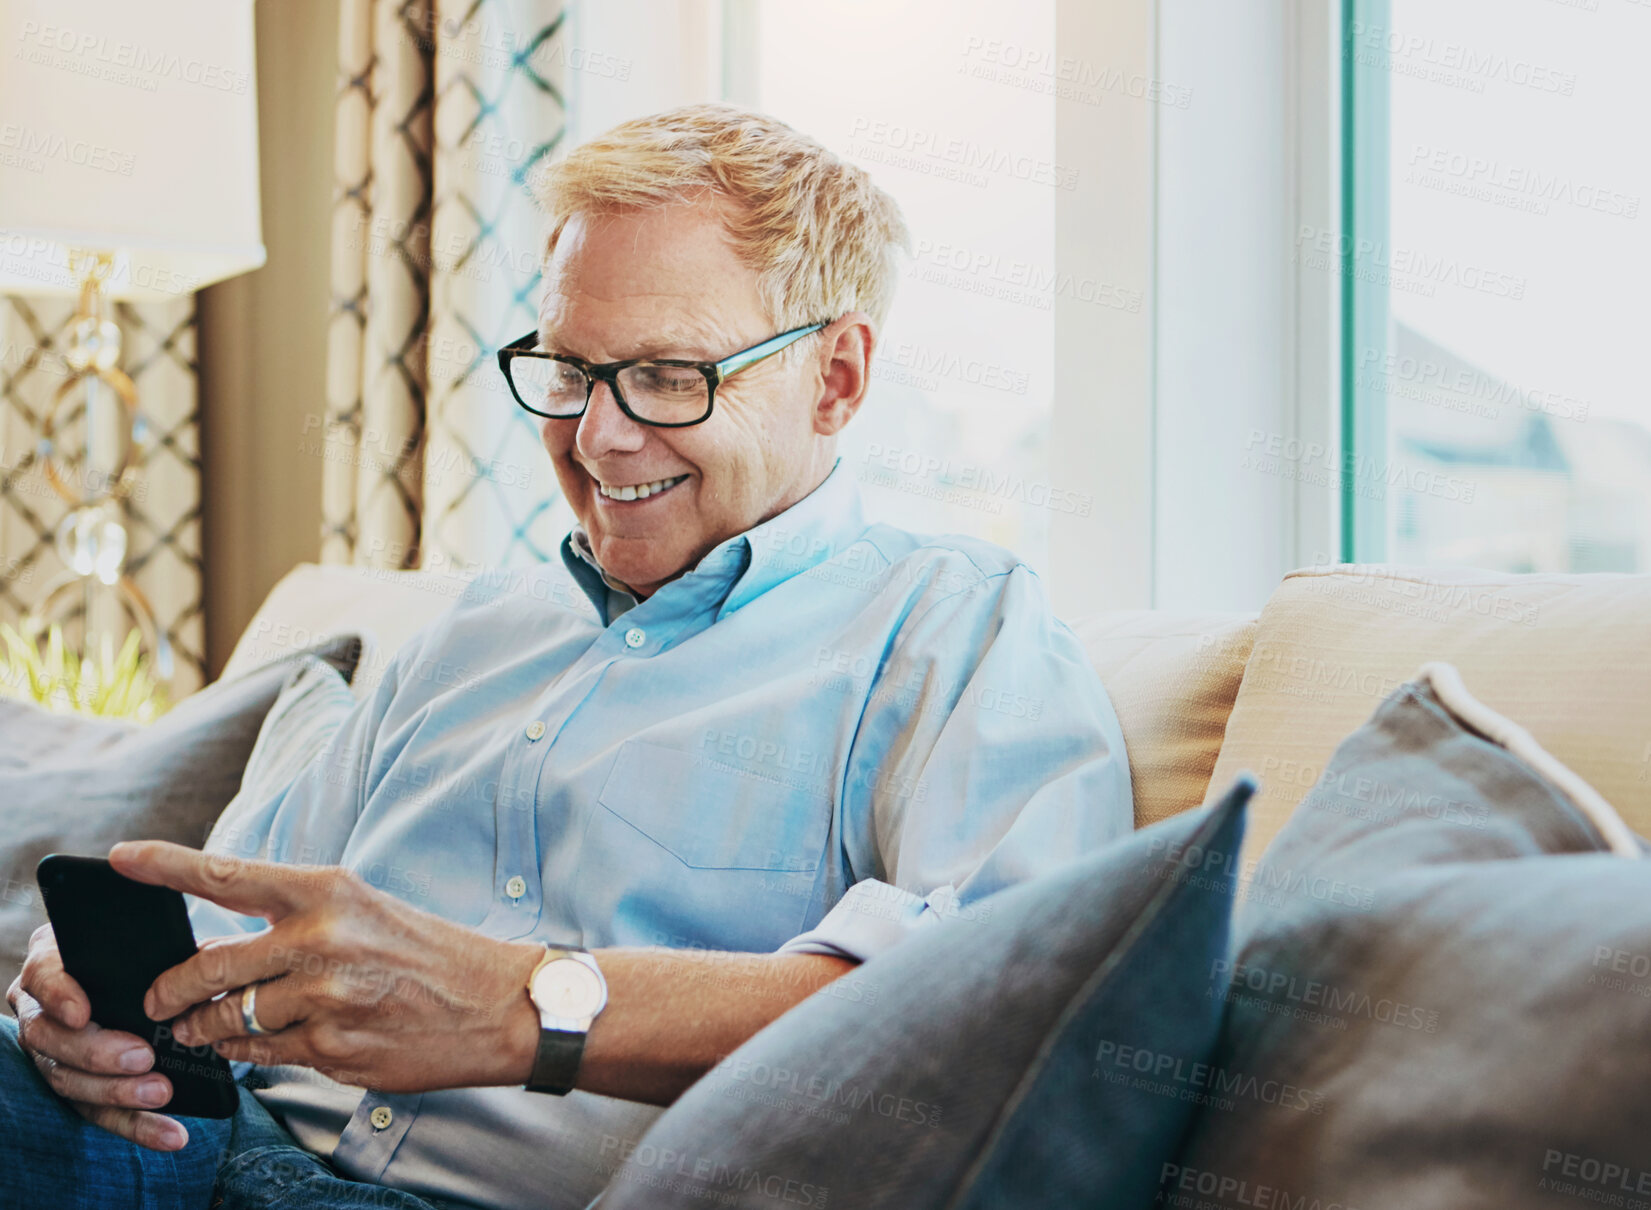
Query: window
{"type": "Point", "coordinates": [950, 108]}
{"type": "Point", "coordinates": [1496, 319]}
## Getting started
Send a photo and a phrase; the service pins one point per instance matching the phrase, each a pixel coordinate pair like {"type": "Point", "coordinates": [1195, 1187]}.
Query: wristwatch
{"type": "Point", "coordinates": [568, 991]}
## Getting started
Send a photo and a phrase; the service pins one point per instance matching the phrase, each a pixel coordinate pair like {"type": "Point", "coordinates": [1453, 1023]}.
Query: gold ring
{"type": "Point", "coordinates": [249, 1011]}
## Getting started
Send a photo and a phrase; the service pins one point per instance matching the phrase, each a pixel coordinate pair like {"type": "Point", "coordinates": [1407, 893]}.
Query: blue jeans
{"type": "Point", "coordinates": [51, 1158]}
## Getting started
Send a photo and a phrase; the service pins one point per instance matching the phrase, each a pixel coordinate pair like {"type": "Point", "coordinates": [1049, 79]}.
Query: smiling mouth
{"type": "Point", "coordinates": [637, 491]}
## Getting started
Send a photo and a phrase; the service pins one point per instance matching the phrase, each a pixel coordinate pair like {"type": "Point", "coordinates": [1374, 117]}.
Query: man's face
{"type": "Point", "coordinates": [666, 283]}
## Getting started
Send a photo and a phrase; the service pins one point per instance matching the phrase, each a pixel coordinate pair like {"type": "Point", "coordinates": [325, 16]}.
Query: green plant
{"type": "Point", "coordinates": [111, 684]}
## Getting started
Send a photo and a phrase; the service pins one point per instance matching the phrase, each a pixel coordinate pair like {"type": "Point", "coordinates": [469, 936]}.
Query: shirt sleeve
{"type": "Point", "coordinates": [306, 821]}
{"type": "Point", "coordinates": [988, 754]}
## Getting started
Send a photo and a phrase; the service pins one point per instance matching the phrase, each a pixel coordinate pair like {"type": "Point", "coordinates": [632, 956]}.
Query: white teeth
{"type": "Point", "coordinates": [638, 491]}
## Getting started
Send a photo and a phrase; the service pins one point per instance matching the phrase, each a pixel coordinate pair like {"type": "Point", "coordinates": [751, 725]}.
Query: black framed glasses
{"type": "Point", "coordinates": [667, 392]}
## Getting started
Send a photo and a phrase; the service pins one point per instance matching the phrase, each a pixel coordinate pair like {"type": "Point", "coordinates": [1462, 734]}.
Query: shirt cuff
{"type": "Point", "coordinates": [872, 917]}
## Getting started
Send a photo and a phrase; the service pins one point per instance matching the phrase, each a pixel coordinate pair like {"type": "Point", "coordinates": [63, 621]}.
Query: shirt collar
{"type": "Point", "coordinates": [610, 597]}
{"type": "Point", "coordinates": [805, 535]}
{"type": "Point", "coordinates": [792, 542]}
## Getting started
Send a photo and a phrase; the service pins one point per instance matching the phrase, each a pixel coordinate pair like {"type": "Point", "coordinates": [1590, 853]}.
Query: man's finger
{"type": "Point", "coordinates": [92, 1049]}
{"type": "Point", "coordinates": [44, 978]}
{"type": "Point", "coordinates": [277, 1005]}
{"type": "Point", "coordinates": [273, 1051]}
{"type": "Point", "coordinates": [227, 965]}
{"type": "Point", "coordinates": [152, 1130]}
{"type": "Point", "coordinates": [135, 1092]}
{"type": "Point", "coordinates": [253, 888]}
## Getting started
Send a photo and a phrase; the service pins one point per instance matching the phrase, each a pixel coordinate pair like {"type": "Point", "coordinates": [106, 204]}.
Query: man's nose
{"type": "Point", "coordinates": [605, 429]}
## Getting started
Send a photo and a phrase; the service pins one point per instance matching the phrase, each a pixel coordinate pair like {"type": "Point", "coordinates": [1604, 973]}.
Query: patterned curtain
{"type": "Point", "coordinates": [444, 109]}
{"type": "Point", "coordinates": [163, 512]}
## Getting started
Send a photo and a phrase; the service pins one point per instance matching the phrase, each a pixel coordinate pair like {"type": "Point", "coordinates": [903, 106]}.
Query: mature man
{"type": "Point", "coordinates": [739, 741]}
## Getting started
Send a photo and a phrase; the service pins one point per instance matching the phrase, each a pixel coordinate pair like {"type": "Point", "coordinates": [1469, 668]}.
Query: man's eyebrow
{"type": "Point", "coordinates": [674, 340]}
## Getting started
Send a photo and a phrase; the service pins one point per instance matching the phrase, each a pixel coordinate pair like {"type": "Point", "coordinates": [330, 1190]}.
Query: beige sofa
{"type": "Point", "coordinates": [1203, 696]}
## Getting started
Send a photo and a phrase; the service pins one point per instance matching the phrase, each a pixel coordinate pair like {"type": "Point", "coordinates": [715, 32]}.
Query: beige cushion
{"type": "Point", "coordinates": [1172, 678]}
{"type": "Point", "coordinates": [1566, 657]}
{"type": "Point", "coordinates": [314, 602]}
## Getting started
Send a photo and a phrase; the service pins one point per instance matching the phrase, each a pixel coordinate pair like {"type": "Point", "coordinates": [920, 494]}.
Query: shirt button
{"type": "Point", "coordinates": [382, 1117]}
{"type": "Point", "coordinates": [516, 887]}
{"type": "Point", "coordinates": [635, 637]}
{"type": "Point", "coordinates": [535, 730]}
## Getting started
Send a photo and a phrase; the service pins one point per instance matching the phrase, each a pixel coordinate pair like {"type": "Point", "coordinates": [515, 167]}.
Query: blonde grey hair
{"type": "Point", "coordinates": [823, 239]}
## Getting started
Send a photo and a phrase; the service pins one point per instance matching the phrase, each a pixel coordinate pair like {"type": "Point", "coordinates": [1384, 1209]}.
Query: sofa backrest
{"type": "Point", "coordinates": [314, 602]}
{"type": "Point", "coordinates": [1172, 678]}
{"type": "Point", "coordinates": [1567, 657]}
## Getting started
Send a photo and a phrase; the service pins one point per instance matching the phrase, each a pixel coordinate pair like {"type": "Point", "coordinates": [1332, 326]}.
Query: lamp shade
{"type": "Point", "coordinates": [128, 127]}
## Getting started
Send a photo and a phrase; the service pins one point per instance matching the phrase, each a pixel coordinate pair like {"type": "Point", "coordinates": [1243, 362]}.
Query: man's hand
{"type": "Point", "coordinates": [100, 1072]}
{"type": "Point", "coordinates": [353, 982]}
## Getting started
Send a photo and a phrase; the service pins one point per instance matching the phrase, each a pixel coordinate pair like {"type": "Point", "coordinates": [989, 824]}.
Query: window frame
{"type": "Point", "coordinates": [1363, 304]}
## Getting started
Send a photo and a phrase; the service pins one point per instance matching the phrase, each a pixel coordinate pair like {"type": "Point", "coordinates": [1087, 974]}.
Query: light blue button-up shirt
{"type": "Point", "coordinates": [825, 735]}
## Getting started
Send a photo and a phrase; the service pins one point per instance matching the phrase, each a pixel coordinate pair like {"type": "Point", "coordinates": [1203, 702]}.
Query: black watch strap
{"type": "Point", "coordinates": [556, 1063]}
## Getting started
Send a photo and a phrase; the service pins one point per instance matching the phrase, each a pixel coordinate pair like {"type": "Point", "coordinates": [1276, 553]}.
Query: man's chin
{"type": "Point", "coordinates": [644, 573]}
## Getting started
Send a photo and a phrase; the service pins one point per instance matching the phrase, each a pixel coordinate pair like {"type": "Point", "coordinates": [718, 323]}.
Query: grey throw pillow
{"type": "Point", "coordinates": [1453, 957]}
{"type": "Point", "coordinates": [77, 785]}
{"type": "Point", "coordinates": [1046, 1048]}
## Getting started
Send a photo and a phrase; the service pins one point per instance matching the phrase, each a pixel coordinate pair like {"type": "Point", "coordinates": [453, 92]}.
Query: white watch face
{"type": "Point", "coordinates": [567, 989]}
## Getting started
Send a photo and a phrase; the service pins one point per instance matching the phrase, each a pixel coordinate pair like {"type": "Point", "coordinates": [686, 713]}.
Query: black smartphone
{"type": "Point", "coordinates": [116, 936]}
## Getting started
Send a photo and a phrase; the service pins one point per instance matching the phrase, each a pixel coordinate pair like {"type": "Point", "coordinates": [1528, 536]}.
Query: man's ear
{"type": "Point", "coordinates": [846, 347]}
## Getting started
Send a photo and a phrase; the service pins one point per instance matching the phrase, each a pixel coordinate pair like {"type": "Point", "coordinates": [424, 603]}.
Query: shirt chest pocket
{"type": "Point", "coordinates": [712, 813]}
{"type": "Point", "coordinates": [687, 849]}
